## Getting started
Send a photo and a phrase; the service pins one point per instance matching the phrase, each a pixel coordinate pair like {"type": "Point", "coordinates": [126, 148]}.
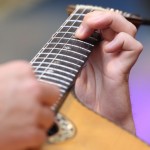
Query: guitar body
{"type": "Point", "coordinates": [94, 132]}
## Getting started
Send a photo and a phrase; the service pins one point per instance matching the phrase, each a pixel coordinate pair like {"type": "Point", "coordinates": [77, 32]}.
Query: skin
{"type": "Point", "coordinates": [24, 105]}
{"type": "Point", "coordinates": [103, 84]}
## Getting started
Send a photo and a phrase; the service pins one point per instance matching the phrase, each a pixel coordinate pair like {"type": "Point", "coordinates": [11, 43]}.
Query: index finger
{"type": "Point", "coordinates": [104, 20]}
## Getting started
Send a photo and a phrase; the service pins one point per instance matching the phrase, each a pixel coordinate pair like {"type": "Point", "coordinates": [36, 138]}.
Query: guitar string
{"type": "Point", "coordinates": [59, 41]}
{"type": "Point", "coordinates": [57, 105]}
{"type": "Point", "coordinates": [62, 90]}
{"type": "Point", "coordinates": [45, 46]}
{"type": "Point", "coordinates": [39, 77]}
{"type": "Point", "coordinates": [46, 68]}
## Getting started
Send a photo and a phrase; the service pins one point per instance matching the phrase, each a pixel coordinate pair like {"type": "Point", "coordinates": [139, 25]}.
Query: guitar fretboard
{"type": "Point", "coordinates": [63, 56]}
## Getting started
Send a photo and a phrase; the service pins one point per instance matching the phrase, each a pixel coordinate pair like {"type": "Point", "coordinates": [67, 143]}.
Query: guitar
{"type": "Point", "coordinates": [59, 62]}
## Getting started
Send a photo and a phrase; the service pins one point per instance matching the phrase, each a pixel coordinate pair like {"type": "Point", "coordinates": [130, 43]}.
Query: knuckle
{"type": "Point", "coordinates": [122, 35]}
{"type": "Point", "coordinates": [139, 47]}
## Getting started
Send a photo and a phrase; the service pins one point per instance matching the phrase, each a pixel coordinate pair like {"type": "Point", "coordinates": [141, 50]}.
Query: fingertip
{"type": "Point", "coordinates": [49, 93]}
{"type": "Point", "coordinates": [83, 32]}
{"type": "Point", "coordinates": [80, 32]}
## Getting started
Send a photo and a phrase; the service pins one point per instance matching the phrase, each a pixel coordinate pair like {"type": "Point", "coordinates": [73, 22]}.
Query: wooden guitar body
{"type": "Point", "coordinates": [94, 132]}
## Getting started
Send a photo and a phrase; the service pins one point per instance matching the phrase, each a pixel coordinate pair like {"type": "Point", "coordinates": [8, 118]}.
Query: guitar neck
{"type": "Point", "coordinates": [61, 59]}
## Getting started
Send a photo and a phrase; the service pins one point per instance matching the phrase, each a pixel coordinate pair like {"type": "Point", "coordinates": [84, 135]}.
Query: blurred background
{"type": "Point", "coordinates": [26, 25]}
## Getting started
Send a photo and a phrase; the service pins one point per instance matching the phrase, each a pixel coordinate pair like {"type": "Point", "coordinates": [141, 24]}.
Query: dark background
{"type": "Point", "coordinates": [26, 28]}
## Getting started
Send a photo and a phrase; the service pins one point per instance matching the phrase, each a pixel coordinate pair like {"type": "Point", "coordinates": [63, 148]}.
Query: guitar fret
{"type": "Point", "coordinates": [60, 61]}
{"type": "Point", "coordinates": [35, 64]}
{"type": "Point", "coordinates": [62, 71]}
{"type": "Point", "coordinates": [83, 11]}
{"type": "Point", "coordinates": [67, 29]}
{"type": "Point", "coordinates": [70, 45]}
{"type": "Point", "coordinates": [38, 64]}
{"type": "Point", "coordinates": [68, 51]}
{"type": "Point", "coordinates": [73, 23]}
{"type": "Point", "coordinates": [54, 83]}
{"type": "Point", "coordinates": [65, 32]}
{"type": "Point", "coordinates": [64, 67]}
{"type": "Point", "coordinates": [64, 35]}
{"type": "Point", "coordinates": [43, 55]}
{"type": "Point", "coordinates": [65, 51]}
{"type": "Point", "coordinates": [40, 69]}
{"type": "Point", "coordinates": [76, 14]}
{"type": "Point", "coordinates": [77, 17]}
{"type": "Point", "coordinates": [55, 80]}
{"type": "Point", "coordinates": [70, 27]}
{"type": "Point", "coordinates": [46, 68]}
{"type": "Point", "coordinates": [80, 21]}
{"type": "Point", "coordinates": [70, 54]}
{"type": "Point", "coordinates": [62, 64]}
{"type": "Point", "coordinates": [58, 75]}
{"type": "Point", "coordinates": [56, 54]}
{"type": "Point", "coordinates": [72, 39]}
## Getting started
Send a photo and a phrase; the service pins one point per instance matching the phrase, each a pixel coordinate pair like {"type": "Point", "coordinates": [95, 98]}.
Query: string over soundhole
{"type": "Point", "coordinates": [61, 131]}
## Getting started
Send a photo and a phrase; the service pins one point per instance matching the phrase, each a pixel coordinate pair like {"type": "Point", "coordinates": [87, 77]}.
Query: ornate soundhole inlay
{"type": "Point", "coordinates": [66, 130]}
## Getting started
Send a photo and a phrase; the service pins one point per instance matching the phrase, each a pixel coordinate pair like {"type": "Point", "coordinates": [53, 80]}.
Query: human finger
{"type": "Point", "coordinates": [108, 34]}
{"type": "Point", "coordinates": [104, 20]}
{"type": "Point", "coordinates": [35, 137]}
{"type": "Point", "coordinates": [46, 118]}
{"type": "Point", "coordinates": [123, 42]}
{"type": "Point", "coordinates": [49, 94]}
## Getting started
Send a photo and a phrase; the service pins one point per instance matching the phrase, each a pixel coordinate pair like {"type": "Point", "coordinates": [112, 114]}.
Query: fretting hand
{"type": "Point", "coordinates": [103, 82]}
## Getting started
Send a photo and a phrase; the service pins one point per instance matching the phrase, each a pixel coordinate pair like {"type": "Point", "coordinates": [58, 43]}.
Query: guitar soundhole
{"type": "Point", "coordinates": [53, 130]}
{"type": "Point", "coordinates": [62, 130]}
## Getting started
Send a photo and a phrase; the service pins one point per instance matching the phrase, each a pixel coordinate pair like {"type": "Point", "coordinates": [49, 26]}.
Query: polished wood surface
{"type": "Point", "coordinates": [94, 132]}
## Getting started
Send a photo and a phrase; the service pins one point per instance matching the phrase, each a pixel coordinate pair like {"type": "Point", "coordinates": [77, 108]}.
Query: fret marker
{"type": "Point", "coordinates": [49, 71]}
{"type": "Point", "coordinates": [56, 62]}
{"type": "Point", "coordinates": [67, 47]}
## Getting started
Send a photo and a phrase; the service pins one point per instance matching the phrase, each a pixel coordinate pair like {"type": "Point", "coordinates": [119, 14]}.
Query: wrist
{"type": "Point", "coordinates": [115, 103]}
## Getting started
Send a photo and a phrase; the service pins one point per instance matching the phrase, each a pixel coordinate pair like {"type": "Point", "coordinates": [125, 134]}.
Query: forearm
{"type": "Point", "coordinates": [115, 104]}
